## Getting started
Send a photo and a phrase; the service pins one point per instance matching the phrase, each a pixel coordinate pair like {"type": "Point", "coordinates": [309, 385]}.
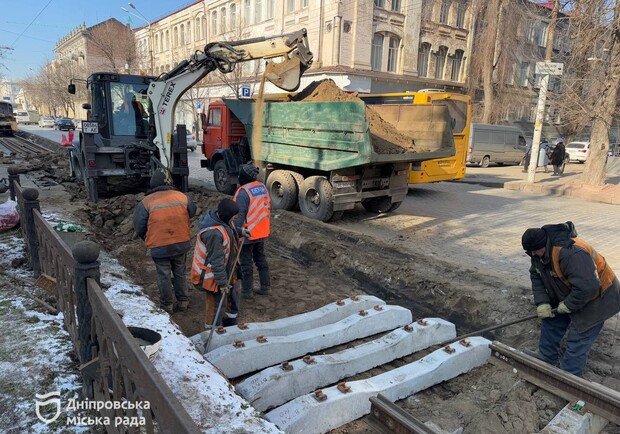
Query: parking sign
{"type": "Point", "coordinates": [246, 92]}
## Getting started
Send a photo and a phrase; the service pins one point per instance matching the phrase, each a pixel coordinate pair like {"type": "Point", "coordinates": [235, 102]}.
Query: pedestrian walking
{"type": "Point", "coordinates": [161, 219]}
{"type": "Point", "coordinates": [557, 158]}
{"type": "Point", "coordinates": [543, 157]}
{"type": "Point", "coordinates": [567, 274]}
{"type": "Point", "coordinates": [527, 157]}
{"type": "Point", "coordinates": [254, 219]}
{"type": "Point", "coordinates": [213, 267]}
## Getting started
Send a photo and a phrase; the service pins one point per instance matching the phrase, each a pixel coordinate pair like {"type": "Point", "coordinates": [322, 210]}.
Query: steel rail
{"type": "Point", "coordinates": [599, 399]}
{"type": "Point", "coordinates": [22, 146]}
{"type": "Point", "coordinates": [387, 417]}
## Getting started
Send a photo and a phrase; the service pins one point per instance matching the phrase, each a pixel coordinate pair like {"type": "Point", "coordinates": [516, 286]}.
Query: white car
{"type": "Point", "coordinates": [46, 121]}
{"type": "Point", "coordinates": [578, 151]}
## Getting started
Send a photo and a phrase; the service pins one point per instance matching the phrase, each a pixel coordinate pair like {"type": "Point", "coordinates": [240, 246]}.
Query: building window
{"type": "Point", "coordinates": [460, 13]}
{"type": "Point", "coordinates": [440, 62]}
{"type": "Point", "coordinates": [167, 40]}
{"type": "Point", "coordinates": [246, 12]}
{"type": "Point", "coordinates": [393, 54]}
{"type": "Point", "coordinates": [175, 41]}
{"type": "Point", "coordinates": [214, 23]}
{"type": "Point", "coordinates": [269, 11]}
{"type": "Point", "coordinates": [380, 3]}
{"type": "Point", "coordinates": [427, 9]}
{"type": "Point", "coordinates": [523, 73]}
{"type": "Point", "coordinates": [423, 56]}
{"type": "Point", "coordinates": [304, 4]}
{"type": "Point", "coordinates": [376, 53]}
{"type": "Point", "coordinates": [204, 26]}
{"type": "Point", "coordinates": [457, 60]}
{"type": "Point", "coordinates": [197, 35]}
{"type": "Point", "coordinates": [258, 11]}
{"type": "Point", "coordinates": [445, 11]}
{"type": "Point", "coordinates": [182, 34]}
{"type": "Point", "coordinates": [223, 20]}
{"type": "Point", "coordinates": [290, 5]}
{"type": "Point", "coordinates": [396, 5]}
{"type": "Point", "coordinates": [157, 44]}
{"type": "Point", "coordinates": [233, 16]}
{"type": "Point", "coordinates": [189, 32]}
{"type": "Point", "coordinates": [542, 35]}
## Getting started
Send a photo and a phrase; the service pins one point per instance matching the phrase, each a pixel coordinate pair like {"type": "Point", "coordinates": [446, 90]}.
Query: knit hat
{"type": "Point", "coordinates": [247, 173]}
{"type": "Point", "coordinates": [227, 209]}
{"type": "Point", "coordinates": [534, 239]}
{"type": "Point", "coordinates": [158, 178]}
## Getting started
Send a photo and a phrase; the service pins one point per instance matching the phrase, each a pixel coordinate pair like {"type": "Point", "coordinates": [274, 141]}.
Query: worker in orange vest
{"type": "Point", "coordinates": [214, 256]}
{"type": "Point", "coordinates": [254, 222]}
{"type": "Point", "coordinates": [162, 221]}
{"type": "Point", "coordinates": [570, 276]}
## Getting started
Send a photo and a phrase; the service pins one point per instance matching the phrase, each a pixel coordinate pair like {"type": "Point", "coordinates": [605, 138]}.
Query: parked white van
{"type": "Point", "coordinates": [500, 144]}
{"type": "Point", "coordinates": [27, 117]}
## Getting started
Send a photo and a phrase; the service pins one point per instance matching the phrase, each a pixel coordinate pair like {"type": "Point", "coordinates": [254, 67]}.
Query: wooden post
{"type": "Point", "coordinates": [86, 255]}
{"type": "Point", "coordinates": [31, 202]}
{"type": "Point", "coordinates": [13, 177]}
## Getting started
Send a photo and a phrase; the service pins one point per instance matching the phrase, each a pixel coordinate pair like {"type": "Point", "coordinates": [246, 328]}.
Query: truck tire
{"type": "Point", "coordinates": [299, 178]}
{"type": "Point", "coordinates": [486, 160]}
{"type": "Point", "coordinates": [316, 198]}
{"type": "Point", "coordinates": [222, 180]}
{"type": "Point", "coordinates": [378, 205]}
{"type": "Point", "coordinates": [283, 189]}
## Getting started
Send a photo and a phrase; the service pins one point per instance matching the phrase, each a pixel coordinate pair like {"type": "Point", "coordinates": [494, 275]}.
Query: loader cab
{"type": "Point", "coordinates": [120, 105]}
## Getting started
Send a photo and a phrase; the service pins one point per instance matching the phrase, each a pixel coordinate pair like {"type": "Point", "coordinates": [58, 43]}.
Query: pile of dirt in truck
{"type": "Point", "coordinates": [386, 139]}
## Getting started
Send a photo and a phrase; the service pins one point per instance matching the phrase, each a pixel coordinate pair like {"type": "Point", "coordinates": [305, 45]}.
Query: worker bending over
{"type": "Point", "coordinates": [569, 275]}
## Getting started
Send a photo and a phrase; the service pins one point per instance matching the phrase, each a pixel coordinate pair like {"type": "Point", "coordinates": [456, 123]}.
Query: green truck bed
{"type": "Point", "coordinates": [334, 135]}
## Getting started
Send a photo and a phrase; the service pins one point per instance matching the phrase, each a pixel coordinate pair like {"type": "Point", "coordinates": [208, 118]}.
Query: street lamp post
{"type": "Point", "coordinates": [142, 17]}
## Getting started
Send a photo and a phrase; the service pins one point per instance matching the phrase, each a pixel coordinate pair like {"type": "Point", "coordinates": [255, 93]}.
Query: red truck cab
{"type": "Point", "coordinates": [221, 128]}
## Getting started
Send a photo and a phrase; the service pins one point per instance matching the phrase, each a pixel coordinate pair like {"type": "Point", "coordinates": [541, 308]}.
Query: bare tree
{"type": "Point", "coordinates": [113, 44]}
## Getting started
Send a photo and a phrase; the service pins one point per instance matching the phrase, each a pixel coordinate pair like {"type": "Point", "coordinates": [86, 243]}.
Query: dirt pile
{"type": "Point", "coordinates": [386, 139]}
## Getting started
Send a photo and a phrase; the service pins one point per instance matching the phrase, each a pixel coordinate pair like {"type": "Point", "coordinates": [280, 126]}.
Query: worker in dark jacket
{"type": "Point", "coordinates": [254, 223]}
{"type": "Point", "coordinates": [567, 274]}
{"type": "Point", "coordinates": [214, 263]}
{"type": "Point", "coordinates": [162, 220]}
{"type": "Point", "coordinates": [557, 157]}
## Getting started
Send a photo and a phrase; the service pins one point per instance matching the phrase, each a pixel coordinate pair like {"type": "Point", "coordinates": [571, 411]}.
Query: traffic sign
{"type": "Point", "coordinates": [547, 68]}
{"type": "Point", "coordinates": [246, 91]}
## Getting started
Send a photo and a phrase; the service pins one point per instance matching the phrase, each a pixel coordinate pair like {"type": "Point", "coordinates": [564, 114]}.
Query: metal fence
{"type": "Point", "coordinates": [115, 370]}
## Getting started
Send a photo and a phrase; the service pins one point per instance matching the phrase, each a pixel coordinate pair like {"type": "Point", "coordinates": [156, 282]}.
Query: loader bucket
{"type": "Point", "coordinates": [286, 75]}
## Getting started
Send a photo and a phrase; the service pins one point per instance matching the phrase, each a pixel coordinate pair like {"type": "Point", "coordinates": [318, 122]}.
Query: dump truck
{"type": "Point", "coordinates": [323, 156]}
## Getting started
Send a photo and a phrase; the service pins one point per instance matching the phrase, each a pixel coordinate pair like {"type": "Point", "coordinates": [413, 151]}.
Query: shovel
{"type": "Point", "coordinates": [224, 294]}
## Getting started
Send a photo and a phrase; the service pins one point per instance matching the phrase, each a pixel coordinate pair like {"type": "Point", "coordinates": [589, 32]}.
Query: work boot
{"type": "Point", "coordinates": [263, 291]}
{"type": "Point", "coordinates": [247, 295]}
{"type": "Point", "coordinates": [181, 306]}
{"type": "Point", "coordinates": [167, 308]}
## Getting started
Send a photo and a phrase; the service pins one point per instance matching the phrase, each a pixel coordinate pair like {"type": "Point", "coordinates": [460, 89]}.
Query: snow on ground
{"type": "Point", "coordinates": [35, 355]}
{"type": "Point", "coordinates": [206, 395]}
{"type": "Point", "coordinates": [36, 351]}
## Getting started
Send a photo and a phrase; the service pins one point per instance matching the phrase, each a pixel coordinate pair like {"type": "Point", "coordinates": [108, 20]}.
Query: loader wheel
{"type": "Point", "coordinates": [222, 180]}
{"type": "Point", "coordinates": [380, 205]}
{"type": "Point", "coordinates": [316, 198]}
{"type": "Point", "coordinates": [282, 189]}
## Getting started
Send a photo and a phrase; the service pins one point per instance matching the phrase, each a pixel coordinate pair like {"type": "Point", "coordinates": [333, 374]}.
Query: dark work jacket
{"type": "Point", "coordinates": [578, 267]}
{"type": "Point", "coordinates": [141, 220]}
{"type": "Point", "coordinates": [215, 251]}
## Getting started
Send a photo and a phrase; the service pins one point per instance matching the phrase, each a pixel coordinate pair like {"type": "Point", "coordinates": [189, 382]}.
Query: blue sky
{"type": "Point", "coordinates": [32, 27]}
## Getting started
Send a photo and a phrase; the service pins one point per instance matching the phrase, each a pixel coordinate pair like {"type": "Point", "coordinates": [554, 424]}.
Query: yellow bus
{"type": "Point", "coordinates": [459, 105]}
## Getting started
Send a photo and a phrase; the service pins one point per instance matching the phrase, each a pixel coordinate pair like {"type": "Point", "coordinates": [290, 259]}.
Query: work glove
{"type": "Point", "coordinates": [245, 233]}
{"type": "Point", "coordinates": [562, 308]}
{"type": "Point", "coordinates": [544, 311]}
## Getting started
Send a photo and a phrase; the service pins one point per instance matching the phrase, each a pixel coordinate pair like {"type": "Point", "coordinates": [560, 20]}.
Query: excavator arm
{"type": "Point", "coordinates": [166, 91]}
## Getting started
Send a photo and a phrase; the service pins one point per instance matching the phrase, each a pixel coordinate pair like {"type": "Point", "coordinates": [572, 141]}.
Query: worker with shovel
{"type": "Point", "coordinates": [215, 259]}
{"type": "Point", "coordinates": [568, 274]}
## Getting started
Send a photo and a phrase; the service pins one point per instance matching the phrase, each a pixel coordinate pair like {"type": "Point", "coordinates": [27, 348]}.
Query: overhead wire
{"type": "Point", "coordinates": [31, 22]}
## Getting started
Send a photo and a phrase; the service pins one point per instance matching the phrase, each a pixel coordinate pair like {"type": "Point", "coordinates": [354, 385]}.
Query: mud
{"type": "Point", "coordinates": [313, 263]}
{"type": "Point", "coordinates": [386, 139]}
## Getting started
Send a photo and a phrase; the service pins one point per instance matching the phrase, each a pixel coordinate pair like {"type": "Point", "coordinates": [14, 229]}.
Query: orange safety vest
{"type": "Point", "coordinates": [202, 274]}
{"type": "Point", "coordinates": [168, 218]}
{"type": "Point", "coordinates": [258, 217]}
{"type": "Point", "coordinates": [605, 273]}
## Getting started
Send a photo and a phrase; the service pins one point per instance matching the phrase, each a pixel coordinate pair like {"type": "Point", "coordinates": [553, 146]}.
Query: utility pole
{"type": "Point", "coordinates": [542, 97]}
